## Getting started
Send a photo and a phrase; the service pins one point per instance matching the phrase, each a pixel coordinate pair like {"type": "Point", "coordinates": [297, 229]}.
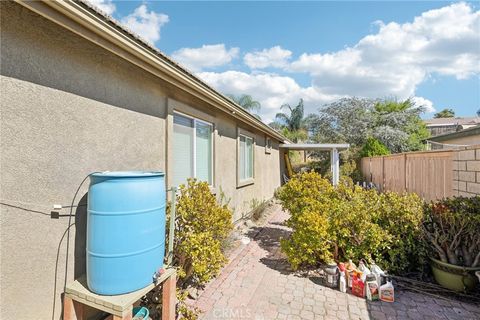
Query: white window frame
{"type": "Point", "coordinates": [248, 181]}
{"type": "Point", "coordinates": [195, 120]}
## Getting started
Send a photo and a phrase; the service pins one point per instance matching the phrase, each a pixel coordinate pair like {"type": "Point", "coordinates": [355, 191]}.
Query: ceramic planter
{"type": "Point", "coordinates": [454, 277]}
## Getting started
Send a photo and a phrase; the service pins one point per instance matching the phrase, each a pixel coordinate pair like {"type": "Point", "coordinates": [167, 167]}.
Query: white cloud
{"type": "Point", "coordinates": [274, 57]}
{"type": "Point", "coordinates": [390, 62]}
{"type": "Point", "coordinates": [396, 59]}
{"type": "Point", "coordinates": [425, 103]}
{"type": "Point", "coordinates": [106, 6]}
{"type": "Point", "coordinates": [207, 56]}
{"type": "Point", "coordinates": [146, 24]}
{"type": "Point", "coordinates": [271, 90]}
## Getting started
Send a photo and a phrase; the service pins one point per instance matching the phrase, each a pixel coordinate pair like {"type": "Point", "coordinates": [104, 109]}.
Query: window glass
{"type": "Point", "coordinates": [203, 156]}
{"type": "Point", "coordinates": [249, 158]}
{"type": "Point", "coordinates": [242, 150]}
{"type": "Point", "coordinates": [192, 149]}
{"type": "Point", "coordinates": [182, 149]}
{"type": "Point", "coordinates": [245, 158]}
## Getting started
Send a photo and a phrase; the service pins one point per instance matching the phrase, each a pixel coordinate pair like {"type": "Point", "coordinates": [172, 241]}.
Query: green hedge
{"type": "Point", "coordinates": [349, 222]}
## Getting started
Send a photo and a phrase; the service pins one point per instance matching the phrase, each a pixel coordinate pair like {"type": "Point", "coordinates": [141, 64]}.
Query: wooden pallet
{"type": "Point", "coordinates": [77, 296]}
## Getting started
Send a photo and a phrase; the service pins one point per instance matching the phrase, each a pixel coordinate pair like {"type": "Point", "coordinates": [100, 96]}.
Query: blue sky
{"type": "Point", "coordinates": [279, 52]}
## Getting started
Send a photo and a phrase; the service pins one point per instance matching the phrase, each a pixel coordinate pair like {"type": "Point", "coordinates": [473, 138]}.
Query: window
{"type": "Point", "coordinates": [245, 159]}
{"type": "Point", "coordinates": [192, 149]}
{"type": "Point", "coordinates": [268, 145]}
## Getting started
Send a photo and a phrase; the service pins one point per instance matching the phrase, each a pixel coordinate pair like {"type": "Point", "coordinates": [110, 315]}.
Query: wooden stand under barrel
{"type": "Point", "coordinates": [77, 295]}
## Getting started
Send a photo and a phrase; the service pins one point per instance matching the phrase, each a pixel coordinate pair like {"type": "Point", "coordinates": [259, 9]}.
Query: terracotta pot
{"type": "Point", "coordinates": [454, 277]}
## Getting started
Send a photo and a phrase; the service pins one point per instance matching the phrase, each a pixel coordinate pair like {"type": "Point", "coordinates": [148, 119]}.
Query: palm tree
{"type": "Point", "coordinates": [293, 125]}
{"type": "Point", "coordinates": [246, 102]}
{"type": "Point", "coordinates": [294, 121]}
{"type": "Point", "coordinates": [445, 113]}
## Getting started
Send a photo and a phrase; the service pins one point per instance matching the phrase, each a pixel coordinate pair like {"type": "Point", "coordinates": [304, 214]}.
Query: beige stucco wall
{"type": "Point", "coordinates": [470, 140]}
{"type": "Point", "coordinates": [69, 108]}
{"type": "Point", "coordinates": [448, 143]}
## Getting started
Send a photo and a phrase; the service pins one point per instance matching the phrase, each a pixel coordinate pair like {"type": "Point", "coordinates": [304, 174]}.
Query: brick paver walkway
{"type": "Point", "coordinates": [256, 284]}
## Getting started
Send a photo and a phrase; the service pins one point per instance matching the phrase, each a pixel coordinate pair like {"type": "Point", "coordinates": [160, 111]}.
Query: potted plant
{"type": "Point", "coordinates": [452, 228]}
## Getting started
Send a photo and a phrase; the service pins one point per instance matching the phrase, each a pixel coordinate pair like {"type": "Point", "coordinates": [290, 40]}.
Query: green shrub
{"type": "Point", "coordinates": [373, 147]}
{"type": "Point", "coordinates": [452, 229]}
{"type": "Point", "coordinates": [201, 228]}
{"type": "Point", "coordinates": [349, 222]}
{"type": "Point", "coordinates": [401, 215]}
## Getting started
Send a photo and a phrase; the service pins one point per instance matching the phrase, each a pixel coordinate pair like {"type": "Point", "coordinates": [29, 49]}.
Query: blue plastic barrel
{"type": "Point", "coordinates": [125, 230]}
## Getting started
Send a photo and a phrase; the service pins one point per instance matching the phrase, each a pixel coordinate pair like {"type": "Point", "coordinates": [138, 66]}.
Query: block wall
{"type": "Point", "coordinates": [466, 172]}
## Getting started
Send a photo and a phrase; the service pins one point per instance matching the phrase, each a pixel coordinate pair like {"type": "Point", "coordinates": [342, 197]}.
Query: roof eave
{"type": "Point", "coordinates": [102, 32]}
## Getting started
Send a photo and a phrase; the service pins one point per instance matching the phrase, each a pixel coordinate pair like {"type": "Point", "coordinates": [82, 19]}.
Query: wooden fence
{"type": "Point", "coordinates": [429, 174]}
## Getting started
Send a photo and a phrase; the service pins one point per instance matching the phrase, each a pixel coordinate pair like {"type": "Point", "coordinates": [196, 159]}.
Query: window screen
{"type": "Point", "coordinates": [192, 149]}
{"type": "Point", "coordinates": [245, 158]}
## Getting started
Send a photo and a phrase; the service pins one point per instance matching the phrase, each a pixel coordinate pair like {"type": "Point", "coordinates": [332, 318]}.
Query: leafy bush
{"type": "Point", "coordinates": [452, 228]}
{"type": "Point", "coordinates": [373, 147]}
{"type": "Point", "coordinates": [201, 227]}
{"type": "Point", "coordinates": [348, 222]}
{"type": "Point", "coordinates": [401, 216]}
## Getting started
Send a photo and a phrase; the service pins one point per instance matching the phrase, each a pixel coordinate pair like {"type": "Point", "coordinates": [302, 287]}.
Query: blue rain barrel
{"type": "Point", "coordinates": [125, 230]}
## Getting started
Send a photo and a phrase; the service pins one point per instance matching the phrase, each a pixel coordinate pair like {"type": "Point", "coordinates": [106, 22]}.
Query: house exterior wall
{"type": "Point", "coordinates": [69, 108]}
{"type": "Point", "coordinates": [468, 140]}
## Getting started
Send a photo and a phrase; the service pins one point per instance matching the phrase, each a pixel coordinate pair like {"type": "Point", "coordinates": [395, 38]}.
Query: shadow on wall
{"type": "Point", "coordinates": [37, 50]}
{"type": "Point", "coordinates": [80, 224]}
{"type": "Point", "coordinates": [80, 237]}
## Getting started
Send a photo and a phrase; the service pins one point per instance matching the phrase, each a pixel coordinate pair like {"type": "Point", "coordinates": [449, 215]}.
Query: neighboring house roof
{"type": "Point", "coordinates": [472, 131]}
{"type": "Point", "coordinates": [91, 23]}
{"type": "Point", "coordinates": [437, 122]}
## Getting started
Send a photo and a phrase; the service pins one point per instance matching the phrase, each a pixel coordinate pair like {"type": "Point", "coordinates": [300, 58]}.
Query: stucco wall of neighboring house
{"type": "Point", "coordinates": [468, 141]}
{"type": "Point", "coordinates": [466, 137]}
{"type": "Point", "coordinates": [69, 108]}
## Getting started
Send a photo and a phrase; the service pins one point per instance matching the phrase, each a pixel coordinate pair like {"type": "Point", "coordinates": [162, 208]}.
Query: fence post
{"type": "Point", "coordinates": [383, 173]}
{"type": "Point", "coordinates": [370, 169]}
